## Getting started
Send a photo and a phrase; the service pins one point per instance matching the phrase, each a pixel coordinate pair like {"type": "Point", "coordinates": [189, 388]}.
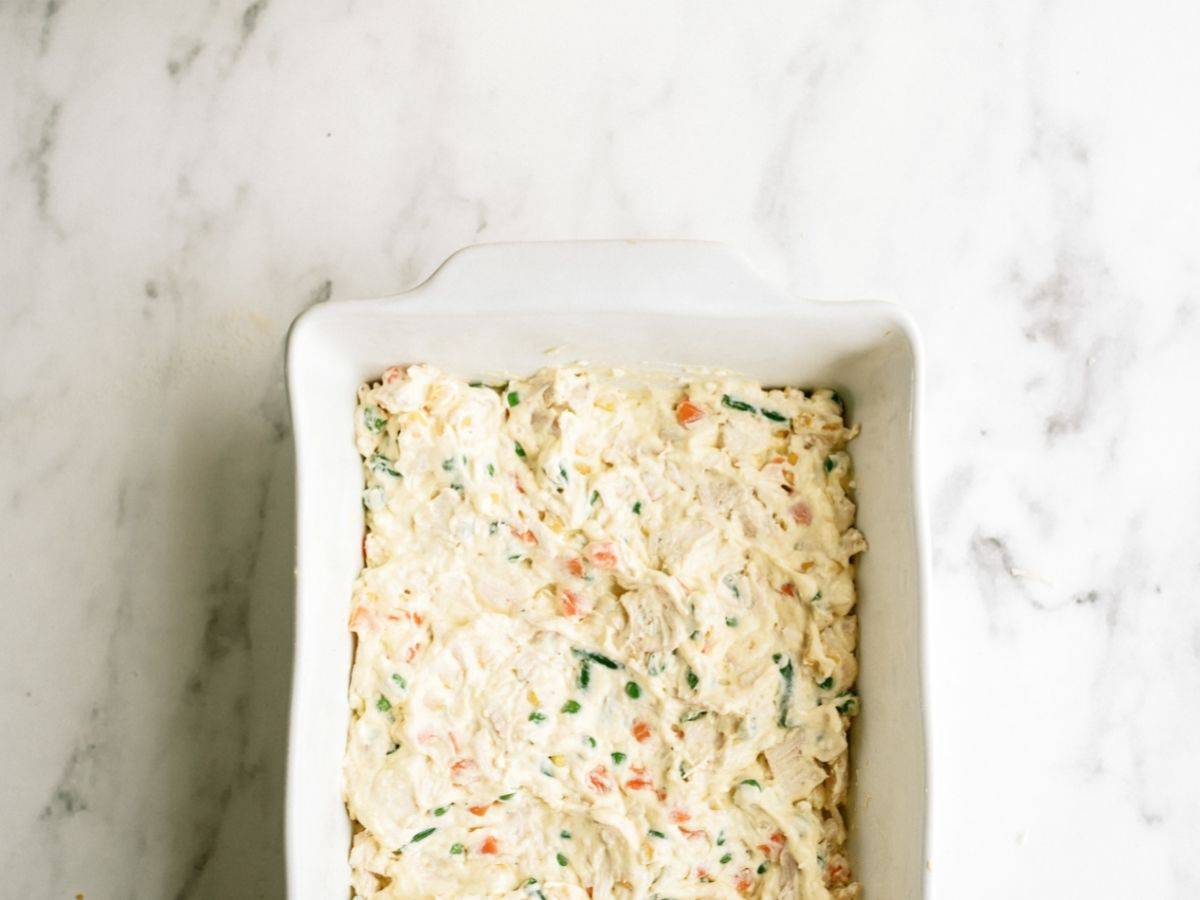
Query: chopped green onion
{"type": "Point", "coordinates": [720, 838]}
{"type": "Point", "coordinates": [762, 868]}
{"type": "Point", "coordinates": [475, 384]}
{"type": "Point", "coordinates": [589, 740]}
{"type": "Point", "coordinates": [826, 684]}
{"type": "Point", "coordinates": [536, 716]}
{"type": "Point", "coordinates": [637, 508]}
{"type": "Point", "coordinates": [383, 704]}
{"type": "Point", "coordinates": [421, 835]}
{"type": "Point", "coordinates": [491, 470]}
{"type": "Point", "coordinates": [571, 706]}
{"type": "Point", "coordinates": [447, 464]}
{"type": "Point", "coordinates": [849, 706]}
{"type": "Point", "coordinates": [785, 701]}
{"type": "Point", "coordinates": [731, 621]}
{"type": "Point", "coordinates": [456, 849]}
{"type": "Point", "coordinates": [752, 782]}
{"type": "Point", "coordinates": [595, 498]}
{"type": "Point", "coordinates": [694, 635]}
{"type": "Point", "coordinates": [513, 398]}
{"type": "Point", "coordinates": [507, 797]}
{"type": "Point", "coordinates": [380, 463]}
{"type": "Point", "coordinates": [692, 679]}
{"type": "Point", "coordinates": [739, 405]}
{"type": "Point", "coordinates": [455, 486]}
{"type": "Point", "coordinates": [816, 597]}
{"type": "Point", "coordinates": [373, 420]}
{"type": "Point", "coordinates": [562, 860]}
{"type": "Point", "coordinates": [730, 581]}
{"type": "Point", "coordinates": [565, 835]}
{"type": "Point", "coordinates": [514, 557]}
{"type": "Point", "coordinates": [399, 679]}
{"type": "Point", "coordinates": [657, 834]}
{"type": "Point", "coordinates": [694, 715]}
{"type": "Point", "coordinates": [632, 690]}
{"type": "Point", "coordinates": [596, 658]}
{"type": "Point", "coordinates": [442, 810]}
{"type": "Point", "coordinates": [585, 675]}
{"type": "Point", "coordinates": [726, 858]}
{"type": "Point", "coordinates": [520, 450]}
{"type": "Point", "coordinates": [772, 415]}
{"type": "Point", "coordinates": [618, 757]}
{"type": "Point", "coordinates": [829, 463]}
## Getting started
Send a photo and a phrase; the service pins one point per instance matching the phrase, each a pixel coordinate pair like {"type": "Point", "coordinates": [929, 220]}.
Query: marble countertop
{"type": "Point", "coordinates": [179, 181]}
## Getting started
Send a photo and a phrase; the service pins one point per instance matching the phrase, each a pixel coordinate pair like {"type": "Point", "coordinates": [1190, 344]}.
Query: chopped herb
{"type": "Point", "coordinates": [536, 716]}
{"type": "Point", "coordinates": [565, 835]}
{"type": "Point", "coordinates": [752, 782]}
{"type": "Point", "coordinates": [692, 679]}
{"type": "Point", "coordinates": [421, 835]}
{"type": "Point", "coordinates": [562, 473]}
{"type": "Point", "coordinates": [455, 486]}
{"type": "Point", "coordinates": [632, 690]}
{"type": "Point", "coordinates": [456, 849]}
{"type": "Point", "coordinates": [383, 704]}
{"type": "Point", "coordinates": [493, 527]}
{"type": "Point", "coordinates": [776, 657]}
{"type": "Point", "coordinates": [589, 740]}
{"type": "Point", "coordinates": [785, 701]}
{"type": "Point", "coordinates": [447, 464]}
{"type": "Point", "coordinates": [816, 597]}
{"type": "Point", "coordinates": [731, 621]}
{"type": "Point", "coordinates": [762, 868]}
{"type": "Point", "coordinates": [721, 839]}
{"type": "Point", "coordinates": [730, 581]}
{"type": "Point", "coordinates": [657, 834]}
{"type": "Point", "coordinates": [373, 420]}
{"type": "Point", "coordinates": [637, 508]}
{"type": "Point", "coordinates": [595, 498]}
{"type": "Point", "coordinates": [772, 415]}
{"type": "Point", "coordinates": [514, 557]}
{"type": "Point", "coordinates": [849, 706]}
{"type": "Point", "coordinates": [442, 810]}
{"type": "Point", "coordinates": [399, 679]}
{"type": "Point", "coordinates": [571, 706]}
{"type": "Point", "coordinates": [826, 684]}
{"type": "Point", "coordinates": [726, 858]}
{"type": "Point", "coordinates": [507, 797]}
{"type": "Point", "coordinates": [474, 384]}
{"type": "Point", "coordinates": [562, 860]}
{"type": "Point", "coordinates": [513, 398]}
{"type": "Point", "coordinates": [520, 450]}
{"type": "Point", "coordinates": [491, 470]}
{"type": "Point", "coordinates": [585, 675]}
{"type": "Point", "coordinates": [739, 405]}
{"type": "Point", "coordinates": [596, 658]}
{"type": "Point", "coordinates": [829, 463]}
{"type": "Point", "coordinates": [380, 463]}
{"type": "Point", "coordinates": [694, 715]}
{"type": "Point", "coordinates": [618, 757]}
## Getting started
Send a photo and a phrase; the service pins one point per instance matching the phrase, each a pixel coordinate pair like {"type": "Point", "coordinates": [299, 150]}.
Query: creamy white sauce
{"type": "Point", "coordinates": [604, 639]}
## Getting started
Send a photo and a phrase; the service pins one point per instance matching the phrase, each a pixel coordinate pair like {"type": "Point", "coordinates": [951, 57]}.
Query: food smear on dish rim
{"type": "Point", "coordinates": [604, 638]}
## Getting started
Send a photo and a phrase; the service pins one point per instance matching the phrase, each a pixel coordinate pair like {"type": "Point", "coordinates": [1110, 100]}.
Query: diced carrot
{"type": "Point", "coordinates": [778, 837]}
{"type": "Point", "coordinates": [568, 603]}
{"type": "Point", "coordinates": [527, 536]}
{"type": "Point", "coordinates": [641, 731]}
{"type": "Point", "coordinates": [802, 513]}
{"type": "Point", "coordinates": [479, 810]}
{"type": "Point", "coordinates": [412, 651]}
{"type": "Point", "coordinates": [688, 412]}
{"type": "Point", "coordinates": [661, 794]}
{"type": "Point", "coordinates": [362, 619]}
{"type": "Point", "coordinates": [417, 618]}
{"type": "Point", "coordinates": [639, 783]}
{"type": "Point", "coordinates": [677, 731]}
{"type": "Point", "coordinates": [489, 846]}
{"type": "Point", "coordinates": [765, 849]}
{"type": "Point", "coordinates": [744, 880]}
{"type": "Point", "coordinates": [789, 589]}
{"type": "Point", "coordinates": [575, 567]}
{"type": "Point", "coordinates": [598, 778]}
{"type": "Point", "coordinates": [602, 554]}
{"type": "Point", "coordinates": [679, 816]}
{"type": "Point", "coordinates": [702, 873]}
{"type": "Point", "coordinates": [392, 375]}
{"type": "Point", "coordinates": [459, 769]}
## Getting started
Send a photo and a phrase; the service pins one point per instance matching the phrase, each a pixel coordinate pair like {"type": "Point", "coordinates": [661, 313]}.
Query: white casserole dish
{"type": "Point", "coordinates": [499, 308]}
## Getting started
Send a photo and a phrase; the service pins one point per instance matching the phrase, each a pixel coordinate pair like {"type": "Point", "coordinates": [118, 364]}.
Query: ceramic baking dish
{"type": "Point", "coordinates": [500, 308]}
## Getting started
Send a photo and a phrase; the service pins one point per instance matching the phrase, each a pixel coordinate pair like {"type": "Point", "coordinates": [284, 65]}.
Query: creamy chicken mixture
{"type": "Point", "coordinates": [605, 642]}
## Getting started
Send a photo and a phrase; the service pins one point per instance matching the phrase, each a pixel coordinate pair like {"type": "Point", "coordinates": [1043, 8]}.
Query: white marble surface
{"type": "Point", "coordinates": [179, 180]}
